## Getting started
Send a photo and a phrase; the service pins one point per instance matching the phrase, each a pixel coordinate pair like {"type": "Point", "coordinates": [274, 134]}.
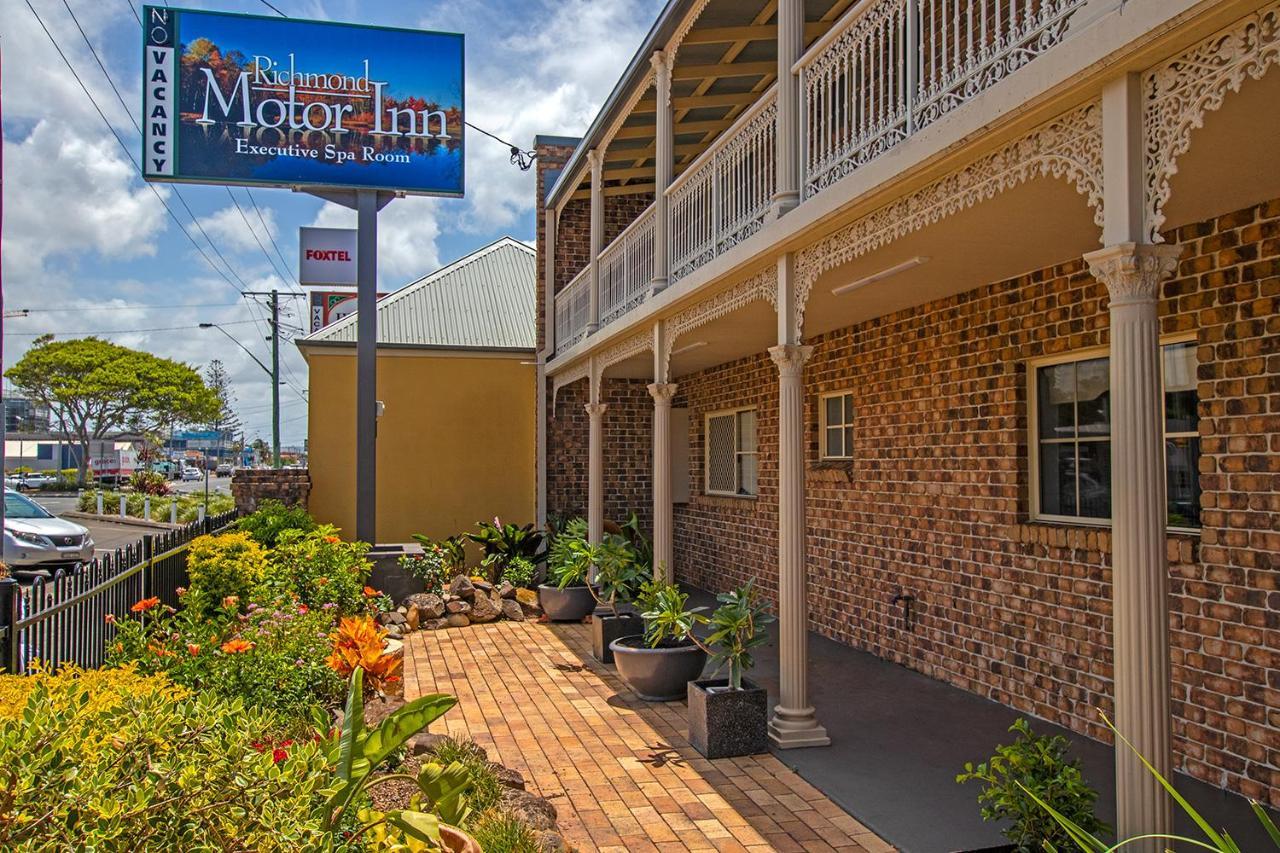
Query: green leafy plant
{"type": "Point", "coordinates": [502, 832]}
{"type": "Point", "coordinates": [736, 630]}
{"type": "Point", "coordinates": [452, 552]}
{"type": "Point", "coordinates": [115, 760]}
{"type": "Point", "coordinates": [1033, 769]}
{"type": "Point", "coordinates": [273, 518]}
{"type": "Point", "coordinates": [502, 542]}
{"type": "Point", "coordinates": [149, 483]}
{"type": "Point", "coordinates": [520, 572]}
{"type": "Point", "coordinates": [221, 568]}
{"type": "Point", "coordinates": [428, 567]}
{"type": "Point", "coordinates": [569, 557]}
{"type": "Point", "coordinates": [640, 543]}
{"type": "Point", "coordinates": [1082, 836]}
{"type": "Point", "coordinates": [486, 790]}
{"type": "Point", "coordinates": [321, 570]}
{"type": "Point", "coordinates": [668, 621]}
{"type": "Point", "coordinates": [356, 752]}
{"type": "Point", "coordinates": [618, 574]}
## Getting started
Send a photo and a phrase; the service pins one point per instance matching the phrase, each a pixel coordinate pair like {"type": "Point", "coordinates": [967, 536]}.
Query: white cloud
{"type": "Point", "coordinates": [227, 228]}
{"type": "Point", "coordinates": [408, 229]}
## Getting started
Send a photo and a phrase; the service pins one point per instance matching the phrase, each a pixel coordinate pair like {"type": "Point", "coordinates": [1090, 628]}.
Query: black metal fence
{"type": "Point", "coordinates": [63, 620]}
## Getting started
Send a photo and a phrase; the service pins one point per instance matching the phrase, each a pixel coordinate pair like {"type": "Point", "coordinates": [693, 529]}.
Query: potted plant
{"type": "Point", "coordinates": [566, 597]}
{"type": "Point", "coordinates": [1019, 777]}
{"type": "Point", "coordinates": [617, 580]}
{"type": "Point", "coordinates": [729, 716]}
{"type": "Point", "coordinates": [504, 542]}
{"type": "Point", "coordinates": [659, 664]}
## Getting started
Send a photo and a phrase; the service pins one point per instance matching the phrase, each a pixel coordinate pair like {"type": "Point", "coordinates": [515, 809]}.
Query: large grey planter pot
{"type": "Point", "coordinates": [607, 628]}
{"type": "Point", "coordinates": [658, 675]}
{"type": "Point", "coordinates": [387, 576]}
{"type": "Point", "coordinates": [728, 723]}
{"type": "Point", "coordinates": [571, 604]}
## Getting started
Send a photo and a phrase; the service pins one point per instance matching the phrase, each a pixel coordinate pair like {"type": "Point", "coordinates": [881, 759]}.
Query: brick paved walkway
{"type": "Point", "coordinates": [619, 770]}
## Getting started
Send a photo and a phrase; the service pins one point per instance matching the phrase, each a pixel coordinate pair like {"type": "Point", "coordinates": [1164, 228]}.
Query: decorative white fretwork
{"type": "Point", "coordinates": [763, 285]}
{"type": "Point", "coordinates": [581, 370]}
{"type": "Point", "coordinates": [1180, 91]}
{"type": "Point", "coordinates": [1069, 146]}
{"type": "Point", "coordinates": [683, 32]}
{"type": "Point", "coordinates": [616, 353]}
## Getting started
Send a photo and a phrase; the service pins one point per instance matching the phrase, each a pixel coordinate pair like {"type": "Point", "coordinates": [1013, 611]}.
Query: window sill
{"type": "Point", "coordinates": [1081, 535]}
{"type": "Point", "coordinates": [729, 501]}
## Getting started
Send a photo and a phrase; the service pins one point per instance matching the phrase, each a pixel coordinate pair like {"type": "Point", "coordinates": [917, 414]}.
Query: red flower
{"type": "Point", "coordinates": [193, 649]}
{"type": "Point", "coordinates": [110, 618]}
{"type": "Point", "coordinates": [278, 755]}
{"type": "Point", "coordinates": [302, 608]}
{"type": "Point", "coordinates": [145, 604]}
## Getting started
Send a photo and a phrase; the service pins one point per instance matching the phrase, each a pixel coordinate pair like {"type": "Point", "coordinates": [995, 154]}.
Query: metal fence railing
{"type": "Point", "coordinates": [62, 620]}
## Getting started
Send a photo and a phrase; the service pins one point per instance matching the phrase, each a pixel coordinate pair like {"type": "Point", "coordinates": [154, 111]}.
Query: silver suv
{"type": "Point", "coordinates": [35, 538]}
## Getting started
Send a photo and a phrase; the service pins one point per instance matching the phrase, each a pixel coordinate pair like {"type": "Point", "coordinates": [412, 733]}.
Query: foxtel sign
{"type": "Point", "coordinates": [258, 101]}
{"type": "Point", "coordinates": [327, 256]}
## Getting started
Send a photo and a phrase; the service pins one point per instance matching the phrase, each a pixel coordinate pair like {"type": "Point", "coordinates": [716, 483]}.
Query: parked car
{"type": "Point", "coordinates": [35, 538]}
{"type": "Point", "coordinates": [190, 473]}
{"type": "Point", "coordinates": [224, 470]}
{"type": "Point", "coordinates": [28, 482]}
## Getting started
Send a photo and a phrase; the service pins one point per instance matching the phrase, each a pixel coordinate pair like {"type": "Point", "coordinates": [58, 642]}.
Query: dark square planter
{"type": "Point", "coordinates": [605, 629]}
{"type": "Point", "coordinates": [729, 723]}
{"type": "Point", "coordinates": [387, 576]}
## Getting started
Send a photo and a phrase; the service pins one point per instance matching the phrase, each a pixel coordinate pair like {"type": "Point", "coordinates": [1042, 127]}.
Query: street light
{"type": "Point", "coordinates": [275, 387]}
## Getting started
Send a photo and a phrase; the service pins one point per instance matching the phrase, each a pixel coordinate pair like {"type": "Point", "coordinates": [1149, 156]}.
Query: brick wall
{"type": "Point", "coordinates": [250, 487]}
{"type": "Point", "coordinates": [935, 502]}
{"type": "Point", "coordinates": [628, 449]}
{"type": "Point", "coordinates": [549, 156]}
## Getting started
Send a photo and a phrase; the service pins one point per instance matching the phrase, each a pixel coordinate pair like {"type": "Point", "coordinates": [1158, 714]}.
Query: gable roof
{"type": "Point", "coordinates": [484, 300]}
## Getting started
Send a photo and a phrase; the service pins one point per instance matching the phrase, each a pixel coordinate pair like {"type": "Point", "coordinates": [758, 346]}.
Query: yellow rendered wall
{"type": "Point", "coordinates": [455, 443]}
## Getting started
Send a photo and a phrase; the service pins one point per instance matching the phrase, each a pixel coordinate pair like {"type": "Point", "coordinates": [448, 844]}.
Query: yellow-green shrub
{"type": "Point", "coordinates": [231, 564]}
{"type": "Point", "coordinates": [112, 760]}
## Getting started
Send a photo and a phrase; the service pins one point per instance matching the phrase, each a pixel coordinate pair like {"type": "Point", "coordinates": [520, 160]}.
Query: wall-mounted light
{"type": "Point", "coordinates": [689, 346]}
{"type": "Point", "coordinates": [879, 276]}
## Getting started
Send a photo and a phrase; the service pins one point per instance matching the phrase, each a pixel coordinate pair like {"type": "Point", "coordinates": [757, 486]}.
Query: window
{"type": "Point", "coordinates": [1071, 440]}
{"type": "Point", "coordinates": [837, 426]}
{"type": "Point", "coordinates": [731, 453]}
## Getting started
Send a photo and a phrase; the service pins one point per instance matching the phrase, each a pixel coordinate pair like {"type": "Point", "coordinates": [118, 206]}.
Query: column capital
{"type": "Point", "coordinates": [662, 392]}
{"type": "Point", "coordinates": [790, 358]}
{"type": "Point", "coordinates": [595, 160]}
{"type": "Point", "coordinates": [1133, 272]}
{"type": "Point", "coordinates": [596, 410]}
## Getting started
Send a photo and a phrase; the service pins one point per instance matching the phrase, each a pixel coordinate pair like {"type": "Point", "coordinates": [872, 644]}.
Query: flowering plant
{"type": "Point", "coordinates": [359, 642]}
{"type": "Point", "coordinates": [319, 568]}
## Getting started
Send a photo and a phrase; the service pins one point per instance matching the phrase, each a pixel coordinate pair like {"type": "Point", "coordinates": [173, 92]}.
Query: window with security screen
{"type": "Point", "coordinates": [731, 459]}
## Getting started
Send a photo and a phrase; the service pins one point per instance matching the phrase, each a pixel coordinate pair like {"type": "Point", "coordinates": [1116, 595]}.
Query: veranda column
{"type": "Point", "coordinates": [595, 470]}
{"type": "Point", "coordinates": [663, 527]}
{"type": "Point", "coordinates": [1132, 273]}
{"type": "Point", "coordinates": [794, 723]}
{"type": "Point", "coordinates": [664, 165]}
{"type": "Point", "coordinates": [595, 159]}
{"type": "Point", "coordinates": [790, 45]}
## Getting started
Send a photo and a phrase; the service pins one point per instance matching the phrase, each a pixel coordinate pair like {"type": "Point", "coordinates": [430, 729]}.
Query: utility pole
{"type": "Point", "coordinates": [275, 378]}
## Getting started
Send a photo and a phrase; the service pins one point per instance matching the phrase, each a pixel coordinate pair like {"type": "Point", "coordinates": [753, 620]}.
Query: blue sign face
{"type": "Point", "coordinates": [258, 101]}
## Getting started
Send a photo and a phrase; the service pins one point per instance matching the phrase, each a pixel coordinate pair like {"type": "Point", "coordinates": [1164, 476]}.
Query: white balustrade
{"type": "Point", "coordinates": [573, 305]}
{"type": "Point", "coordinates": [895, 66]}
{"type": "Point", "coordinates": [723, 197]}
{"type": "Point", "coordinates": [626, 268]}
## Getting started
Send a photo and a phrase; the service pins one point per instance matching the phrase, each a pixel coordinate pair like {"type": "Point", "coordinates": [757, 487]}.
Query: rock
{"type": "Point", "coordinates": [424, 743]}
{"type": "Point", "coordinates": [458, 620]}
{"type": "Point", "coordinates": [550, 841]}
{"type": "Point", "coordinates": [402, 610]}
{"type": "Point", "coordinates": [512, 610]}
{"type": "Point", "coordinates": [458, 606]}
{"type": "Point", "coordinates": [435, 624]}
{"type": "Point", "coordinates": [462, 587]}
{"type": "Point", "coordinates": [412, 620]}
{"type": "Point", "coordinates": [429, 605]}
{"type": "Point", "coordinates": [395, 631]}
{"type": "Point", "coordinates": [506, 590]}
{"type": "Point", "coordinates": [394, 618]}
{"type": "Point", "coordinates": [507, 777]}
{"type": "Point", "coordinates": [482, 585]}
{"type": "Point", "coordinates": [529, 808]}
{"type": "Point", "coordinates": [528, 599]}
{"type": "Point", "coordinates": [484, 610]}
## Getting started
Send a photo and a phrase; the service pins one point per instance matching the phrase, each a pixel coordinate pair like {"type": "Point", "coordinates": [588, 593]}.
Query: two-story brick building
{"type": "Point", "coordinates": [965, 305]}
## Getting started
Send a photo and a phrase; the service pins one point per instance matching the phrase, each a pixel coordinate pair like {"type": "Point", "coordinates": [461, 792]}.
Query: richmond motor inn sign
{"type": "Point", "coordinates": [243, 99]}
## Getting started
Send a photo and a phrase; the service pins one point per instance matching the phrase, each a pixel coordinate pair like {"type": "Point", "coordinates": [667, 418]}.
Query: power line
{"type": "Point", "coordinates": [283, 275]}
{"type": "Point", "coordinates": [128, 153]}
{"type": "Point", "coordinates": [140, 306]}
{"type": "Point", "coordinates": [116, 331]}
{"type": "Point", "coordinates": [267, 231]}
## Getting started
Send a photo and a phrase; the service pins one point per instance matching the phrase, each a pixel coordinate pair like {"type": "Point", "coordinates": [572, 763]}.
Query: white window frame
{"type": "Point", "coordinates": [824, 450]}
{"type": "Point", "coordinates": [1033, 429]}
{"type": "Point", "coordinates": [738, 452]}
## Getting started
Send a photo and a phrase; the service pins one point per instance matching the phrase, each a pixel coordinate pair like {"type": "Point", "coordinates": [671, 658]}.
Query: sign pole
{"type": "Point", "coordinates": [367, 366]}
{"type": "Point", "coordinates": [275, 378]}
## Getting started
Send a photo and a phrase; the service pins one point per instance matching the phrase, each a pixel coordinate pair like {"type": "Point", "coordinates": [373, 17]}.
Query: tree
{"type": "Point", "coordinates": [94, 388]}
{"type": "Point", "coordinates": [224, 420]}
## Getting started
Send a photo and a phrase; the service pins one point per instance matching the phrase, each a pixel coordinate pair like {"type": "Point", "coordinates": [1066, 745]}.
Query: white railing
{"type": "Point", "coordinates": [895, 66]}
{"type": "Point", "coordinates": [626, 268]}
{"type": "Point", "coordinates": [573, 307]}
{"type": "Point", "coordinates": [724, 195]}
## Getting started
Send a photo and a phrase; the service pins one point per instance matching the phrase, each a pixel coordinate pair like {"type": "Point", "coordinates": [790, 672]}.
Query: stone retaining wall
{"type": "Point", "coordinates": [290, 486]}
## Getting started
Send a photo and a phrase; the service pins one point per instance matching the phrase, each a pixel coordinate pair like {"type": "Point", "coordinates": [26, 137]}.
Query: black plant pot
{"type": "Point", "coordinates": [725, 723]}
{"type": "Point", "coordinates": [387, 576]}
{"type": "Point", "coordinates": [658, 675]}
{"type": "Point", "coordinates": [571, 604]}
{"type": "Point", "coordinates": [608, 627]}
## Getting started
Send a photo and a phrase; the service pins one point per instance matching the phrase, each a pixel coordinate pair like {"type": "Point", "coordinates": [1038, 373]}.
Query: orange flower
{"type": "Point", "coordinates": [236, 646]}
{"type": "Point", "coordinates": [110, 618]}
{"type": "Point", "coordinates": [359, 642]}
{"type": "Point", "coordinates": [159, 651]}
{"type": "Point", "coordinates": [370, 592]}
{"type": "Point", "coordinates": [332, 540]}
{"type": "Point", "coordinates": [193, 649]}
{"type": "Point", "coordinates": [230, 602]}
{"type": "Point", "coordinates": [145, 604]}
{"type": "Point", "coordinates": [321, 581]}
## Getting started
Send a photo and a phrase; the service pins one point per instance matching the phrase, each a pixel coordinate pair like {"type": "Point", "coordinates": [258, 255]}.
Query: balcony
{"type": "Point", "coordinates": [879, 75]}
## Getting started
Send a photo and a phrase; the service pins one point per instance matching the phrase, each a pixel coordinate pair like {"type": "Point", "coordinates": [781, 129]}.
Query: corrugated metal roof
{"type": "Point", "coordinates": [484, 300]}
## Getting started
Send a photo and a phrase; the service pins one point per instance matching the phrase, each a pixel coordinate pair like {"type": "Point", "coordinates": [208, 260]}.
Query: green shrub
{"type": "Point", "coordinates": [272, 658]}
{"type": "Point", "coordinates": [569, 557]}
{"type": "Point", "coordinates": [486, 790]}
{"type": "Point", "coordinates": [503, 542]}
{"type": "Point", "coordinates": [111, 760]}
{"type": "Point", "coordinates": [149, 483]}
{"type": "Point", "coordinates": [502, 832]}
{"type": "Point", "coordinates": [520, 572]}
{"type": "Point", "coordinates": [273, 518]}
{"type": "Point", "coordinates": [428, 567]}
{"type": "Point", "coordinates": [321, 571]}
{"type": "Point", "coordinates": [135, 504]}
{"type": "Point", "coordinates": [1034, 765]}
{"type": "Point", "coordinates": [224, 566]}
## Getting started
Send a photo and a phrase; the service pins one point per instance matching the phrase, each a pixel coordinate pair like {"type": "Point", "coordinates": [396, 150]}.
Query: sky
{"type": "Point", "coordinates": [88, 247]}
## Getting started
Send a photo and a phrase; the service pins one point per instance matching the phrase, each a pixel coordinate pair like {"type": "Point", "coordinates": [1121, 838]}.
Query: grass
{"type": "Point", "coordinates": [500, 832]}
{"type": "Point", "coordinates": [486, 790]}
